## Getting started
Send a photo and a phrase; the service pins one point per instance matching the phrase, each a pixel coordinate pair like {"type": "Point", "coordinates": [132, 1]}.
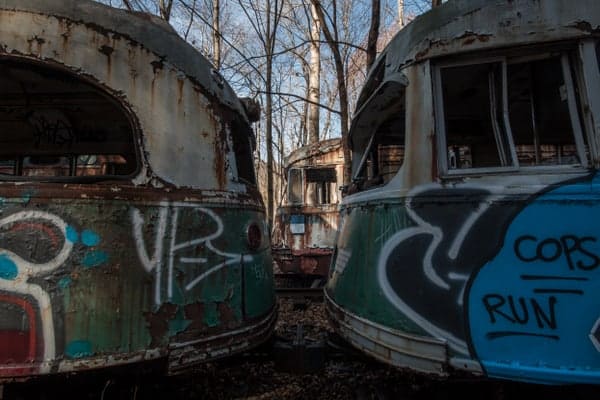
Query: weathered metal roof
{"type": "Point", "coordinates": [312, 150]}
{"type": "Point", "coordinates": [460, 26]}
{"type": "Point", "coordinates": [145, 29]}
{"type": "Point", "coordinates": [182, 109]}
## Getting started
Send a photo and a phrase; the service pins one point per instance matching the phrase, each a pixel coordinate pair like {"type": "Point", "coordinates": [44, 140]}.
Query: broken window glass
{"type": "Point", "coordinates": [295, 185]}
{"type": "Point", "coordinates": [518, 112]}
{"type": "Point", "coordinates": [243, 147]}
{"type": "Point", "coordinates": [379, 130]}
{"type": "Point", "coordinates": [55, 125]}
{"type": "Point", "coordinates": [320, 185]}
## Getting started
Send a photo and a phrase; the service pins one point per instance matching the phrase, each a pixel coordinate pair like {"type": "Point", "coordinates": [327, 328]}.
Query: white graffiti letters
{"type": "Point", "coordinates": [156, 263]}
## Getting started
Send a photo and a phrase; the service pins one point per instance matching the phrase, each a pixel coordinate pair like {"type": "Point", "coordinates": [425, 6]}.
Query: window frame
{"type": "Point", "coordinates": [123, 109]}
{"type": "Point", "coordinates": [570, 73]}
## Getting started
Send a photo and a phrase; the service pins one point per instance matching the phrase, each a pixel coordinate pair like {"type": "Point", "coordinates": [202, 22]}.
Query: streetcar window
{"type": "Point", "coordinates": [380, 138]}
{"type": "Point", "coordinates": [473, 136]}
{"type": "Point", "coordinates": [54, 125]}
{"type": "Point", "coordinates": [295, 186]}
{"type": "Point", "coordinates": [320, 185]}
{"type": "Point", "coordinates": [515, 112]}
{"type": "Point", "coordinates": [243, 146]}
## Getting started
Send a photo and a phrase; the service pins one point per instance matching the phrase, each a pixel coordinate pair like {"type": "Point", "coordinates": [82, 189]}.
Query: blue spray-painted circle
{"type": "Point", "coordinates": [90, 238]}
{"type": "Point", "coordinates": [8, 269]}
{"type": "Point", "coordinates": [72, 234]}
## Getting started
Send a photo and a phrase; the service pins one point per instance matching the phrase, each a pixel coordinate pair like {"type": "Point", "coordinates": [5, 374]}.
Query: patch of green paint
{"type": "Point", "coordinates": [78, 349]}
{"type": "Point", "coordinates": [65, 282]}
{"type": "Point", "coordinates": [94, 259]}
{"type": "Point", "coordinates": [211, 315]}
{"type": "Point", "coordinates": [178, 325]}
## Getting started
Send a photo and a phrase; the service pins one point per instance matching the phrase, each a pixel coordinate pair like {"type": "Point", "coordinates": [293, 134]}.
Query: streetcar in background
{"type": "Point", "coordinates": [131, 227]}
{"type": "Point", "coordinates": [306, 223]}
{"type": "Point", "coordinates": [479, 252]}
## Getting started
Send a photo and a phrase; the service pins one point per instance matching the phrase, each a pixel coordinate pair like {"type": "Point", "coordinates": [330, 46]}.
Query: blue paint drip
{"type": "Point", "coordinates": [90, 238]}
{"type": "Point", "coordinates": [94, 259]}
{"type": "Point", "coordinates": [8, 269]}
{"type": "Point", "coordinates": [78, 349]}
{"type": "Point", "coordinates": [65, 282]}
{"type": "Point", "coordinates": [72, 234]}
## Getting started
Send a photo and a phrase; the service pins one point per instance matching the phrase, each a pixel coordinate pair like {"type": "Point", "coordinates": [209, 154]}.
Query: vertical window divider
{"type": "Point", "coordinates": [590, 87]}
{"type": "Point", "coordinates": [572, 103]}
{"type": "Point", "coordinates": [506, 117]}
{"type": "Point", "coordinates": [440, 128]}
{"type": "Point", "coordinates": [494, 118]}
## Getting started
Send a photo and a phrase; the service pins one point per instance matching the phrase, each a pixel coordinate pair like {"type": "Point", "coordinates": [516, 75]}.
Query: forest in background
{"type": "Point", "coordinates": [303, 61]}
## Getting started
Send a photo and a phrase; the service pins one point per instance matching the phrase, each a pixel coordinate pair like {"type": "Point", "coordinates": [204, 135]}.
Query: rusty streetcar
{"type": "Point", "coordinates": [478, 251]}
{"type": "Point", "coordinates": [131, 228]}
{"type": "Point", "coordinates": [306, 223]}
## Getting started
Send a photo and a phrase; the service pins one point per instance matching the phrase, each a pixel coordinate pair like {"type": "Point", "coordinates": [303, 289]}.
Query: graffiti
{"type": "Point", "coordinates": [51, 127]}
{"type": "Point", "coordinates": [529, 249]}
{"type": "Point", "coordinates": [167, 251]}
{"type": "Point", "coordinates": [537, 297]}
{"type": "Point", "coordinates": [15, 271]}
{"type": "Point", "coordinates": [443, 251]}
{"type": "Point", "coordinates": [440, 253]}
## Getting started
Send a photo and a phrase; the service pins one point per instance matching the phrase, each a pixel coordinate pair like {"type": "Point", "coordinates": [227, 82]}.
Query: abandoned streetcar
{"type": "Point", "coordinates": [477, 247]}
{"type": "Point", "coordinates": [306, 223]}
{"type": "Point", "coordinates": [131, 228]}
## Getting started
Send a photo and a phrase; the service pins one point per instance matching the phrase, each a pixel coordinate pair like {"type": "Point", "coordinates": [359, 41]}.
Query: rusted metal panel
{"type": "Point", "coordinates": [176, 98]}
{"type": "Point", "coordinates": [157, 263]}
{"type": "Point", "coordinates": [94, 282]}
{"type": "Point", "coordinates": [306, 223]}
{"type": "Point", "coordinates": [460, 26]}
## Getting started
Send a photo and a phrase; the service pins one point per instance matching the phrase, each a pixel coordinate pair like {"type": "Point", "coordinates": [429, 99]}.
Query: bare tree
{"type": "Point", "coordinates": [373, 32]}
{"type": "Point", "coordinates": [164, 7]}
{"type": "Point", "coordinates": [216, 33]}
{"type": "Point", "coordinates": [332, 39]}
{"type": "Point", "coordinates": [314, 76]}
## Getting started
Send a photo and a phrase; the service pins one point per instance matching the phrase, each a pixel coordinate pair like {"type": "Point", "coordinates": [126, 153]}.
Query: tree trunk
{"type": "Point", "coordinates": [401, 13]}
{"type": "Point", "coordinates": [216, 34]}
{"type": "Point", "coordinates": [314, 77]}
{"type": "Point", "coordinates": [373, 33]}
{"type": "Point", "coordinates": [269, 113]}
{"type": "Point", "coordinates": [333, 44]}
{"type": "Point", "coordinates": [436, 3]}
{"type": "Point", "coordinates": [165, 9]}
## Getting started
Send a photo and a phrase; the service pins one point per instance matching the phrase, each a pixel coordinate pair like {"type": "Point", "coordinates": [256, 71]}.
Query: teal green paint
{"type": "Point", "coordinates": [94, 259]}
{"type": "Point", "coordinates": [211, 315]}
{"type": "Point", "coordinates": [90, 238]}
{"type": "Point", "coordinates": [72, 234]}
{"type": "Point", "coordinates": [364, 232]}
{"type": "Point", "coordinates": [258, 280]}
{"type": "Point", "coordinates": [179, 324]}
{"type": "Point", "coordinates": [65, 282]}
{"type": "Point", "coordinates": [8, 269]}
{"type": "Point", "coordinates": [78, 349]}
{"type": "Point", "coordinates": [26, 197]}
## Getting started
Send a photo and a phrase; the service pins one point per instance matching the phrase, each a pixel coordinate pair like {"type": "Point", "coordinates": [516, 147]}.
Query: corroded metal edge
{"type": "Point", "coordinates": [391, 346]}
{"type": "Point", "coordinates": [187, 354]}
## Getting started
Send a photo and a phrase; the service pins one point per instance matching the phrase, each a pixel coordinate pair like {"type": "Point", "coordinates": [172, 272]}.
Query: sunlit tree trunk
{"type": "Point", "coordinates": [165, 9]}
{"type": "Point", "coordinates": [373, 32]}
{"type": "Point", "coordinates": [401, 13]}
{"type": "Point", "coordinates": [331, 37]}
{"type": "Point", "coordinates": [216, 33]}
{"type": "Point", "coordinates": [314, 77]}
